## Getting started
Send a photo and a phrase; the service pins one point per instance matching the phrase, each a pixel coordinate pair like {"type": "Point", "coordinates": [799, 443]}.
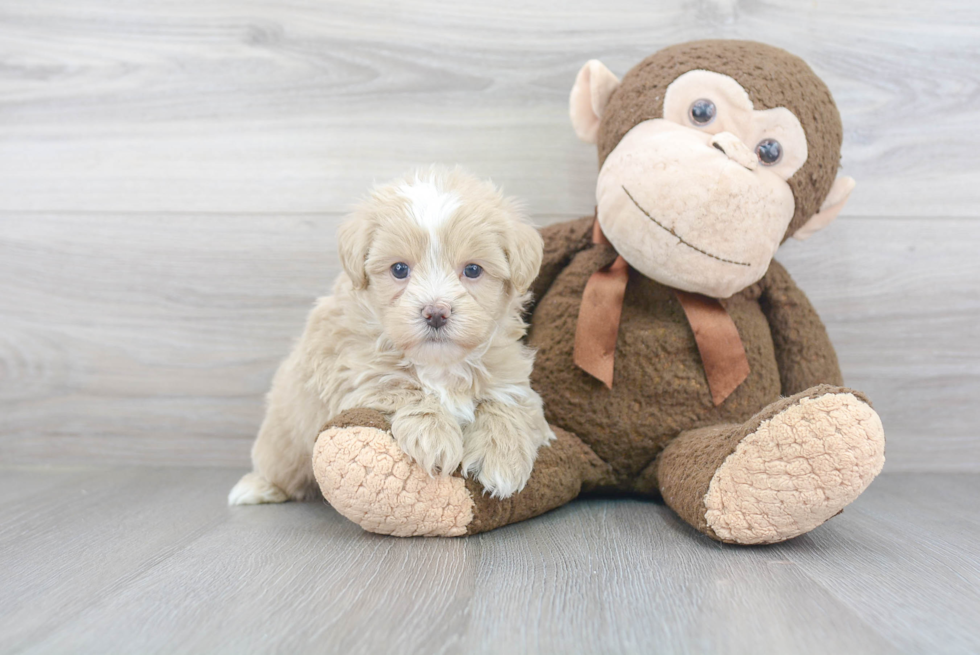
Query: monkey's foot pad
{"type": "Point", "coordinates": [798, 469]}
{"type": "Point", "coordinates": [367, 478]}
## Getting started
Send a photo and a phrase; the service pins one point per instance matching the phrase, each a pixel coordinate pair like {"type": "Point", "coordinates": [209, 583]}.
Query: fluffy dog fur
{"type": "Point", "coordinates": [457, 395]}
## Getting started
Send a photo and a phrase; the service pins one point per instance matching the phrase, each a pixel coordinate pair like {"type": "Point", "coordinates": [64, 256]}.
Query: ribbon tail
{"type": "Point", "coordinates": [722, 353]}
{"type": "Point", "coordinates": [598, 321]}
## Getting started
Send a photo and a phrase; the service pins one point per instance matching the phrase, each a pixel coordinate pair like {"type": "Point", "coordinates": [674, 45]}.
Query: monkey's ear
{"type": "Point", "coordinates": [839, 193]}
{"type": "Point", "coordinates": [353, 242]}
{"type": "Point", "coordinates": [593, 87]}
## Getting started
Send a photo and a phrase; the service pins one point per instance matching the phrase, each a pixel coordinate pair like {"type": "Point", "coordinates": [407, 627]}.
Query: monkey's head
{"type": "Point", "coordinates": [711, 154]}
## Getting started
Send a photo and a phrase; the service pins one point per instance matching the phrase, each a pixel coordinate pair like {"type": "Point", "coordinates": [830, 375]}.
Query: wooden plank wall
{"type": "Point", "coordinates": [172, 173]}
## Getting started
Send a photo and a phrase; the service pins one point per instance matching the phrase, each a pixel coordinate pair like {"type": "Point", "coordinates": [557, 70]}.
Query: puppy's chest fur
{"type": "Point", "coordinates": [459, 388]}
{"type": "Point", "coordinates": [454, 386]}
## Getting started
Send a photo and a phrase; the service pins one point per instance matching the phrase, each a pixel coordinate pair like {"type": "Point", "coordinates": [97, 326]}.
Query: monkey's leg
{"type": "Point", "coordinates": [367, 478]}
{"type": "Point", "coordinates": [782, 473]}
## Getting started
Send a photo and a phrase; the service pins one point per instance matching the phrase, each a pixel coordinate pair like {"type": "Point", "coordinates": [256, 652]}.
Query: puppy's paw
{"type": "Point", "coordinates": [500, 446]}
{"type": "Point", "coordinates": [430, 436]}
{"type": "Point", "coordinates": [502, 474]}
{"type": "Point", "coordinates": [499, 461]}
{"type": "Point", "coordinates": [253, 489]}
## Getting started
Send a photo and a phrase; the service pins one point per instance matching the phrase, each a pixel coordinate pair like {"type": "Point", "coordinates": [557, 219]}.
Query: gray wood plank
{"type": "Point", "coordinates": [904, 558]}
{"type": "Point", "coordinates": [24, 483]}
{"type": "Point", "coordinates": [289, 578]}
{"type": "Point", "coordinates": [275, 107]}
{"type": "Point", "coordinates": [67, 546]}
{"type": "Point", "coordinates": [634, 579]}
{"type": "Point", "coordinates": [901, 301]}
{"type": "Point", "coordinates": [152, 338]}
{"type": "Point", "coordinates": [600, 575]}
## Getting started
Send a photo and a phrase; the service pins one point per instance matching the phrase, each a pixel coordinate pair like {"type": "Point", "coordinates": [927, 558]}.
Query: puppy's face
{"type": "Point", "coordinates": [445, 261]}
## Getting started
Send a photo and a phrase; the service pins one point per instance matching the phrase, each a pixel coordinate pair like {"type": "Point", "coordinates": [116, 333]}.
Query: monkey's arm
{"type": "Point", "coordinates": [804, 354]}
{"type": "Point", "coordinates": [561, 242]}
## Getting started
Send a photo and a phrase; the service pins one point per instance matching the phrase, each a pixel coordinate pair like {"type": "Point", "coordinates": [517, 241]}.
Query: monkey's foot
{"type": "Point", "coordinates": [799, 467]}
{"type": "Point", "coordinates": [788, 469]}
{"type": "Point", "coordinates": [367, 478]}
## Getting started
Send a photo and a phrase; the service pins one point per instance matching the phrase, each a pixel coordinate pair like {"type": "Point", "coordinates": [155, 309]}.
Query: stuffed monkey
{"type": "Point", "coordinates": [675, 358]}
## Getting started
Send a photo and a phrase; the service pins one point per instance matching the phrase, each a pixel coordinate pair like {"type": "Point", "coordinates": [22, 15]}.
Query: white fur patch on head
{"type": "Point", "coordinates": [429, 205]}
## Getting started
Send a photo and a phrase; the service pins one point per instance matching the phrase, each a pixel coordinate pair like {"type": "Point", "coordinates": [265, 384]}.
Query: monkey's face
{"type": "Point", "coordinates": [698, 200]}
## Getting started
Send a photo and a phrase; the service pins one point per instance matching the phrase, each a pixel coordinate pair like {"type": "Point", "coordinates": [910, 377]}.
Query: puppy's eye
{"type": "Point", "coordinates": [473, 271]}
{"type": "Point", "coordinates": [769, 151]}
{"type": "Point", "coordinates": [400, 270]}
{"type": "Point", "coordinates": [702, 112]}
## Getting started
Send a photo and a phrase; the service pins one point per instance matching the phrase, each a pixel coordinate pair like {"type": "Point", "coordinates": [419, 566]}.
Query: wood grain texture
{"type": "Point", "coordinates": [171, 176]}
{"type": "Point", "coordinates": [296, 107]}
{"type": "Point", "coordinates": [164, 566]}
{"type": "Point", "coordinates": [152, 338]}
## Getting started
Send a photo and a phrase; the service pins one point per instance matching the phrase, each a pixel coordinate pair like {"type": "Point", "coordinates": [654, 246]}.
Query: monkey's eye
{"type": "Point", "coordinates": [400, 270]}
{"type": "Point", "coordinates": [472, 271]}
{"type": "Point", "coordinates": [769, 151]}
{"type": "Point", "coordinates": [702, 112]}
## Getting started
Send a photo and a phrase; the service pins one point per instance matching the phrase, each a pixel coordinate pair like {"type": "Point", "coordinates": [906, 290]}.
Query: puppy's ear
{"type": "Point", "coordinates": [353, 242]}
{"type": "Point", "coordinates": [525, 249]}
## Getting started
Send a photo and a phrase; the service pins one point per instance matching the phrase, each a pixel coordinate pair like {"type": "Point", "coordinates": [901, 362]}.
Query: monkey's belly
{"type": "Point", "coordinates": [659, 386]}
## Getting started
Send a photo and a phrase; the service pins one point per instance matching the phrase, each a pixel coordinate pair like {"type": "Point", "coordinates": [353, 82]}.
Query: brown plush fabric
{"type": "Point", "coordinates": [771, 76]}
{"type": "Point", "coordinates": [367, 418]}
{"type": "Point", "coordinates": [561, 242]}
{"type": "Point", "coordinates": [684, 470]}
{"type": "Point", "coordinates": [661, 389]}
{"type": "Point", "coordinates": [804, 353]}
{"type": "Point", "coordinates": [562, 471]}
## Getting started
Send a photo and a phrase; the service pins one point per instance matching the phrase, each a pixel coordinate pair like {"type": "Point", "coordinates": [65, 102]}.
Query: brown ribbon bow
{"type": "Point", "coordinates": [722, 353]}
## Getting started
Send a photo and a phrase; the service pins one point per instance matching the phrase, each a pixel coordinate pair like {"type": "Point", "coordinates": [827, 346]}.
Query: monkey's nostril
{"type": "Point", "coordinates": [436, 315]}
{"type": "Point", "coordinates": [734, 149]}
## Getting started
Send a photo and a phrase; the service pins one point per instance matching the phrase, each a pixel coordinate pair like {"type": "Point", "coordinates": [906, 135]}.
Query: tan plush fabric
{"type": "Point", "coordinates": [686, 216]}
{"type": "Point", "coordinates": [771, 76]}
{"type": "Point", "coordinates": [364, 476]}
{"type": "Point", "coordinates": [717, 457]}
{"type": "Point", "coordinates": [796, 470]}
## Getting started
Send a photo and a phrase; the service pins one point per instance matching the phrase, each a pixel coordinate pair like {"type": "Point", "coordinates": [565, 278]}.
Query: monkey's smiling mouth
{"type": "Point", "coordinates": [677, 236]}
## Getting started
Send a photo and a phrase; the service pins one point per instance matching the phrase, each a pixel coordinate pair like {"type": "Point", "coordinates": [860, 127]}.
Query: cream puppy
{"type": "Point", "coordinates": [424, 324]}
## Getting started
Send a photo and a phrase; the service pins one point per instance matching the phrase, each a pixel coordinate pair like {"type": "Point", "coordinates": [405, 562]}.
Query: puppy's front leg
{"type": "Point", "coordinates": [429, 434]}
{"type": "Point", "coordinates": [501, 444]}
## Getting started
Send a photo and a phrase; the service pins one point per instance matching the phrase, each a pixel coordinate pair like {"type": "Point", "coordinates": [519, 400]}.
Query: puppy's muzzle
{"type": "Point", "coordinates": [436, 315]}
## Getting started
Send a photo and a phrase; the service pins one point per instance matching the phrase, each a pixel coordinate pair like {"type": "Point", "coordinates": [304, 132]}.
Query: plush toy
{"type": "Point", "coordinates": [674, 356]}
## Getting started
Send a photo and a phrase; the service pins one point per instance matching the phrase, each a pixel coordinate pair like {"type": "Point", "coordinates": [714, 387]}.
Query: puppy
{"type": "Point", "coordinates": [424, 325]}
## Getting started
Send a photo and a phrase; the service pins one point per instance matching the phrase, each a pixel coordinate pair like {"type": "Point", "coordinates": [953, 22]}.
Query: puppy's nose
{"type": "Point", "coordinates": [436, 315]}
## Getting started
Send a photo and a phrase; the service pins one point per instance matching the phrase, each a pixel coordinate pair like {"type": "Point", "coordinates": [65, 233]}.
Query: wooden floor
{"type": "Point", "coordinates": [142, 560]}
